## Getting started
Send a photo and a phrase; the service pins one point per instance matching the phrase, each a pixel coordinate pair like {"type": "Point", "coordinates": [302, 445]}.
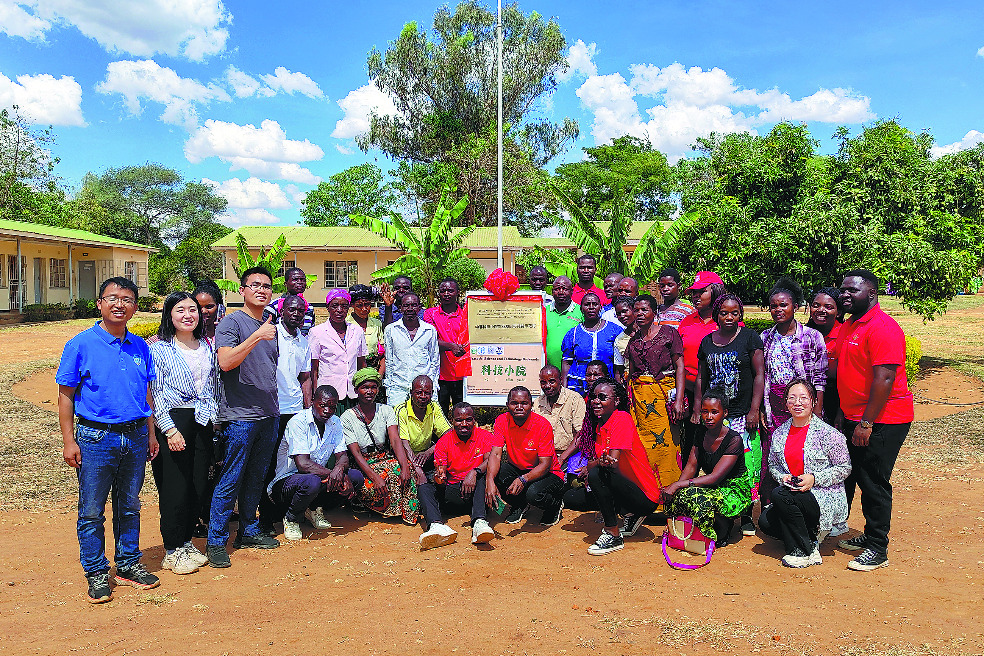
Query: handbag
{"type": "Point", "coordinates": [682, 534]}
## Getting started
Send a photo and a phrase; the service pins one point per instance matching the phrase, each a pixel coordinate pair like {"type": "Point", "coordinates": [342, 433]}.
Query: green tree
{"type": "Point", "coordinates": [271, 259]}
{"type": "Point", "coordinates": [628, 163]}
{"type": "Point", "coordinates": [429, 250]}
{"type": "Point", "coordinates": [356, 190]}
{"type": "Point", "coordinates": [28, 185]}
{"type": "Point", "coordinates": [444, 89]}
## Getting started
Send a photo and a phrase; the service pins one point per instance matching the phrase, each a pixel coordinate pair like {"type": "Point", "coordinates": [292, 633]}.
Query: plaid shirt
{"type": "Point", "coordinates": [808, 355]}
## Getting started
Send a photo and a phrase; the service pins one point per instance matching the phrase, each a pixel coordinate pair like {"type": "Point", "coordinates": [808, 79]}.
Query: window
{"type": "Point", "coordinates": [130, 271]}
{"type": "Point", "coordinates": [286, 264]}
{"type": "Point", "coordinates": [56, 273]}
{"type": "Point", "coordinates": [341, 274]}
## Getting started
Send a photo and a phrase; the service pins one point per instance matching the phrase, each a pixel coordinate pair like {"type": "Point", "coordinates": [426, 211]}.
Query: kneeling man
{"type": "Point", "coordinates": [461, 463]}
{"type": "Point", "coordinates": [312, 465]}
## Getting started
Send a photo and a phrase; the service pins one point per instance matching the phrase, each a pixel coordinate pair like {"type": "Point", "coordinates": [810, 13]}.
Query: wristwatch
{"type": "Point", "coordinates": [866, 424]}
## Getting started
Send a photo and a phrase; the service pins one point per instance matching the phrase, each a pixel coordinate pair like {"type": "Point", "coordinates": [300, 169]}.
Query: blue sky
{"type": "Point", "coordinates": [265, 99]}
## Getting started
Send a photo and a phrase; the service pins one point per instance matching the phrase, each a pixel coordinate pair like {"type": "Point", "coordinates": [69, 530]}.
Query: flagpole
{"type": "Point", "coordinates": [499, 132]}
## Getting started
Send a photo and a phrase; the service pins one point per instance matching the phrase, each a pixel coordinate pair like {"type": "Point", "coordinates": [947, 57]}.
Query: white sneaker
{"type": "Point", "coordinates": [790, 560]}
{"type": "Point", "coordinates": [839, 529]}
{"type": "Point", "coordinates": [815, 557]}
{"type": "Point", "coordinates": [178, 562]}
{"type": "Point", "coordinates": [438, 535]}
{"type": "Point", "coordinates": [194, 555]}
{"type": "Point", "coordinates": [482, 533]}
{"type": "Point", "coordinates": [292, 530]}
{"type": "Point", "coordinates": [317, 518]}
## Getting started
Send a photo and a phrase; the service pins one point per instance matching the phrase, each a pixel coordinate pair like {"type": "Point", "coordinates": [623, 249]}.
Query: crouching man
{"type": "Point", "coordinates": [312, 465]}
{"type": "Point", "coordinates": [461, 461]}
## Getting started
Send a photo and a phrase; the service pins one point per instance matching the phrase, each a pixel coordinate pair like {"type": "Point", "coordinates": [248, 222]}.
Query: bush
{"type": "Point", "coordinates": [469, 274]}
{"type": "Point", "coordinates": [146, 329]}
{"type": "Point", "coordinates": [913, 353]}
{"type": "Point", "coordinates": [758, 325]}
{"type": "Point", "coordinates": [48, 312]}
{"type": "Point", "coordinates": [85, 309]}
{"type": "Point", "coordinates": [485, 415]}
{"type": "Point", "coordinates": [148, 303]}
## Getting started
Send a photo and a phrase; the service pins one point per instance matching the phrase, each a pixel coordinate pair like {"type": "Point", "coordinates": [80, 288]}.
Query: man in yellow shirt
{"type": "Point", "coordinates": [421, 424]}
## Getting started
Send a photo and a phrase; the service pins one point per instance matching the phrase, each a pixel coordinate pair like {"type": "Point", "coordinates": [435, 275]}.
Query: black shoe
{"type": "Point", "coordinates": [259, 541]}
{"type": "Point", "coordinates": [266, 528]}
{"type": "Point", "coordinates": [552, 516]}
{"type": "Point", "coordinates": [857, 543]}
{"type": "Point", "coordinates": [200, 531]}
{"type": "Point", "coordinates": [868, 560]}
{"type": "Point", "coordinates": [747, 525]}
{"type": "Point", "coordinates": [516, 514]}
{"type": "Point", "coordinates": [631, 524]}
{"type": "Point", "coordinates": [99, 590]}
{"type": "Point", "coordinates": [606, 544]}
{"type": "Point", "coordinates": [137, 577]}
{"type": "Point", "coordinates": [218, 556]}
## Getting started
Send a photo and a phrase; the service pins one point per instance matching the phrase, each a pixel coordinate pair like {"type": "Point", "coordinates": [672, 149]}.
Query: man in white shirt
{"type": "Point", "coordinates": [312, 465]}
{"type": "Point", "coordinates": [626, 288]}
{"type": "Point", "coordinates": [293, 387]}
{"type": "Point", "coordinates": [411, 350]}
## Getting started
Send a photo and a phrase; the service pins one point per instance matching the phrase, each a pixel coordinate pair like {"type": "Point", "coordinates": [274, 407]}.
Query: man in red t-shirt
{"type": "Point", "coordinates": [587, 266]}
{"type": "Point", "coordinates": [529, 472]}
{"type": "Point", "coordinates": [877, 410]}
{"type": "Point", "coordinates": [450, 318]}
{"type": "Point", "coordinates": [461, 460]}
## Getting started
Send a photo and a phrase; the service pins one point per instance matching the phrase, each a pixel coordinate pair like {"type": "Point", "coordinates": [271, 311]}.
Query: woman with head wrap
{"type": "Point", "coordinates": [338, 349]}
{"type": "Point", "coordinates": [382, 476]}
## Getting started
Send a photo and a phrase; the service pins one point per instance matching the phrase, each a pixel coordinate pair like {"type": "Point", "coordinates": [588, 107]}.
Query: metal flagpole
{"type": "Point", "coordinates": [499, 133]}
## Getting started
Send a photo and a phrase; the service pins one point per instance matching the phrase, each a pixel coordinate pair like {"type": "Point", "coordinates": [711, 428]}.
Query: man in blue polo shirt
{"type": "Point", "coordinates": [104, 403]}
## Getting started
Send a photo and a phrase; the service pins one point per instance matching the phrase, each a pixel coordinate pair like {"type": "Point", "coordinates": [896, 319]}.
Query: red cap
{"type": "Point", "coordinates": [705, 278]}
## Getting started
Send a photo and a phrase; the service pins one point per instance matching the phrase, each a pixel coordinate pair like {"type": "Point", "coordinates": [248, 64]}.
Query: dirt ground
{"type": "Point", "coordinates": [366, 588]}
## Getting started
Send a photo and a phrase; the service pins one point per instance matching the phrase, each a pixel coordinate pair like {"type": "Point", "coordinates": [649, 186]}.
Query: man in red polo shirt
{"type": "Point", "coordinates": [529, 472]}
{"type": "Point", "coordinates": [587, 267]}
{"type": "Point", "coordinates": [451, 320]}
{"type": "Point", "coordinates": [877, 410]}
{"type": "Point", "coordinates": [461, 462]}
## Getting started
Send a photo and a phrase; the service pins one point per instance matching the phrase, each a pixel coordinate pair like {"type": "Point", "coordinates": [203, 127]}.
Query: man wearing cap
{"type": "Point", "coordinates": [673, 309]}
{"type": "Point", "coordinates": [562, 315]}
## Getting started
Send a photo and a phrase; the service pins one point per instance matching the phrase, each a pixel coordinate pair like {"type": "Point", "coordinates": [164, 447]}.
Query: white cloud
{"type": "Point", "coordinates": [240, 218]}
{"type": "Point", "coordinates": [970, 140]}
{"type": "Point", "coordinates": [344, 150]}
{"type": "Point", "coordinates": [16, 21]}
{"type": "Point", "coordinates": [980, 52]}
{"type": "Point", "coordinates": [264, 152]}
{"type": "Point", "coordinates": [191, 28]}
{"type": "Point", "coordinates": [580, 61]}
{"type": "Point", "coordinates": [295, 193]}
{"type": "Point", "coordinates": [358, 105]}
{"type": "Point", "coordinates": [693, 102]}
{"type": "Point", "coordinates": [250, 193]}
{"type": "Point", "coordinates": [245, 85]}
{"type": "Point", "coordinates": [44, 99]}
{"type": "Point", "coordinates": [288, 82]}
{"type": "Point", "coordinates": [146, 80]}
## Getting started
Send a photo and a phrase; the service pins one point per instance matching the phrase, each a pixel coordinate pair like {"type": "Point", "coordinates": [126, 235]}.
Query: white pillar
{"type": "Point", "coordinates": [20, 279]}
{"type": "Point", "coordinates": [68, 273]}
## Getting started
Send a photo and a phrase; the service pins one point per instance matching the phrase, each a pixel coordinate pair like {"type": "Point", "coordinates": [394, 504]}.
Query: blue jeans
{"type": "Point", "coordinates": [248, 448]}
{"type": "Point", "coordinates": [110, 462]}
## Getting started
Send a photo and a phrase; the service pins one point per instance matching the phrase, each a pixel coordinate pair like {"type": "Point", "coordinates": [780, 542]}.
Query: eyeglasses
{"type": "Point", "coordinates": [599, 397]}
{"type": "Point", "coordinates": [257, 286]}
{"type": "Point", "coordinates": [799, 399]}
{"type": "Point", "coordinates": [113, 300]}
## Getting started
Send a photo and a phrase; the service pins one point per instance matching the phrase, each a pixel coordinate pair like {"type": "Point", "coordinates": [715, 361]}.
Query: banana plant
{"type": "Point", "coordinates": [428, 250]}
{"type": "Point", "coordinates": [271, 260]}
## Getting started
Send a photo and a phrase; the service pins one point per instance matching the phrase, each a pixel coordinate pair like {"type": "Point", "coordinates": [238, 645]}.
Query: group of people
{"type": "Point", "coordinates": [647, 408]}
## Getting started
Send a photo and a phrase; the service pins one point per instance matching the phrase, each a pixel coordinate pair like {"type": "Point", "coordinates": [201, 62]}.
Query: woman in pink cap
{"type": "Point", "coordinates": [338, 349]}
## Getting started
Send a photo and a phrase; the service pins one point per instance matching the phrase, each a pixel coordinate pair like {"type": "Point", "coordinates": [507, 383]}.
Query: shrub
{"type": "Point", "coordinates": [148, 303]}
{"type": "Point", "coordinates": [758, 325]}
{"type": "Point", "coordinates": [469, 274]}
{"type": "Point", "coordinates": [85, 309]}
{"type": "Point", "coordinates": [145, 329]}
{"type": "Point", "coordinates": [485, 415]}
{"type": "Point", "coordinates": [913, 353]}
{"type": "Point", "coordinates": [48, 312]}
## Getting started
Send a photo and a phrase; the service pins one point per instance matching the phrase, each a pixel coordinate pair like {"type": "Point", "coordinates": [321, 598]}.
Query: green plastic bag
{"type": "Point", "coordinates": [753, 459]}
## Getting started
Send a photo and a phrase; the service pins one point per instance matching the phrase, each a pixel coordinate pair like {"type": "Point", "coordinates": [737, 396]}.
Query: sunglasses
{"type": "Point", "coordinates": [599, 397]}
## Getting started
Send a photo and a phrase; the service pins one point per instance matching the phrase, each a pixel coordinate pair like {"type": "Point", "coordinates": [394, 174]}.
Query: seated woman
{"type": "Point", "coordinates": [582, 449]}
{"type": "Point", "coordinates": [810, 460]}
{"type": "Point", "coordinates": [383, 477]}
{"type": "Point", "coordinates": [620, 476]}
{"type": "Point", "coordinates": [715, 498]}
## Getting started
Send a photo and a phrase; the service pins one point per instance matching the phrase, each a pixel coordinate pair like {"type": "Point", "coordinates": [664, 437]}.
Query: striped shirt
{"type": "Point", "coordinates": [175, 386]}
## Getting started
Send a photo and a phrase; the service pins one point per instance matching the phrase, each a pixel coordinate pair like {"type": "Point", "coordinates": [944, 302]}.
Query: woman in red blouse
{"type": "Point", "coordinates": [620, 475]}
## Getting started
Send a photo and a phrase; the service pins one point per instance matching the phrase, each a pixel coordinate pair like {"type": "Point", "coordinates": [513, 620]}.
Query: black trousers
{"type": "Point", "coordinates": [293, 495]}
{"type": "Point", "coordinates": [580, 499]}
{"type": "Point", "coordinates": [182, 478]}
{"type": "Point", "coordinates": [269, 511]}
{"type": "Point", "coordinates": [794, 518]}
{"type": "Point", "coordinates": [871, 470]}
{"type": "Point", "coordinates": [544, 493]}
{"type": "Point", "coordinates": [450, 392]}
{"type": "Point", "coordinates": [611, 489]}
{"type": "Point", "coordinates": [436, 499]}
